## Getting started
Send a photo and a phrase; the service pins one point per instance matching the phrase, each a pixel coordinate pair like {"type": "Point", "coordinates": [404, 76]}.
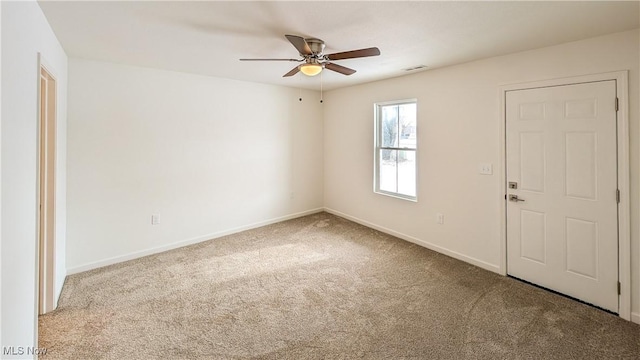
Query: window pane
{"type": "Point", "coordinates": [389, 126]}
{"type": "Point", "coordinates": [407, 113]}
{"type": "Point", "coordinates": [407, 173]}
{"type": "Point", "coordinates": [388, 171]}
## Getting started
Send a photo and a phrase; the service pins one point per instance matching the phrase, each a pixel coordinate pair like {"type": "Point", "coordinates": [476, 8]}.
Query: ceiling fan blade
{"type": "Point", "coordinates": [339, 68]}
{"type": "Point", "coordinates": [300, 44]}
{"type": "Point", "coordinates": [297, 60]}
{"type": "Point", "coordinates": [292, 72]}
{"type": "Point", "coordinates": [374, 51]}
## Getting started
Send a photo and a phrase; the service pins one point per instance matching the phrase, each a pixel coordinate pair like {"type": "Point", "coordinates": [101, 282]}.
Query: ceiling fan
{"type": "Point", "coordinates": [314, 60]}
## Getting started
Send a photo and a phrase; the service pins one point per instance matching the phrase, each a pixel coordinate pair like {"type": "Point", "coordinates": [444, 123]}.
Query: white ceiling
{"type": "Point", "coordinates": [208, 37]}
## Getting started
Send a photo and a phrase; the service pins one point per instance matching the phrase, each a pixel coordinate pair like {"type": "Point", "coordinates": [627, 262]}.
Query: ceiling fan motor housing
{"type": "Point", "coordinates": [316, 45]}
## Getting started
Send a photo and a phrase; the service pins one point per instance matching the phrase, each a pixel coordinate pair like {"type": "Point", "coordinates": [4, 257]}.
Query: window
{"type": "Point", "coordinates": [395, 149]}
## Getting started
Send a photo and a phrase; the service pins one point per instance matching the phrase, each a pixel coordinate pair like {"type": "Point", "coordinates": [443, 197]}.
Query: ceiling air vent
{"type": "Point", "coordinates": [414, 68]}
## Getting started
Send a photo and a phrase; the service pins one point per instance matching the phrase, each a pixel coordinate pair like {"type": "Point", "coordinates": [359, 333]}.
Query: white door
{"type": "Point", "coordinates": [562, 230]}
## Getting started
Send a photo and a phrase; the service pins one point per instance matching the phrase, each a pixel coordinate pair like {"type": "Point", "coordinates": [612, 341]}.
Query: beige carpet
{"type": "Point", "coordinates": [320, 287]}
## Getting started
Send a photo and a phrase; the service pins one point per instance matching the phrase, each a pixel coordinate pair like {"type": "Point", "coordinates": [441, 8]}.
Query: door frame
{"type": "Point", "coordinates": [624, 227]}
{"type": "Point", "coordinates": [45, 263]}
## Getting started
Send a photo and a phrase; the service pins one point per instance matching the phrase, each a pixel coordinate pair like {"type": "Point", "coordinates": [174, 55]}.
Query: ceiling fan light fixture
{"type": "Point", "coordinates": [311, 69]}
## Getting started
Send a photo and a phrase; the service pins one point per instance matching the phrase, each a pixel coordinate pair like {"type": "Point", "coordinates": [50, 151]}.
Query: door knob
{"type": "Point", "coordinates": [514, 198]}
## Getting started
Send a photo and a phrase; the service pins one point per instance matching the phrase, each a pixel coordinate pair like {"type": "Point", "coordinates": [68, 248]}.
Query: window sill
{"type": "Point", "coordinates": [397, 196]}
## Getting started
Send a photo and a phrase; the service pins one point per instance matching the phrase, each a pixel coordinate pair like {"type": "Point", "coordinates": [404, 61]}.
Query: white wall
{"type": "Point", "coordinates": [210, 155]}
{"type": "Point", "coordinates": [0, 180]}
{"type": "Point", "coordinates": [25, 32]}
{"type": "Point", "coordinates": [458, 128]}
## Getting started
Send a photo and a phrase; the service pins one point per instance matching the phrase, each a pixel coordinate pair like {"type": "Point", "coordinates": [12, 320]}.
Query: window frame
{"type": "Point", "coordinates": [377, 147]}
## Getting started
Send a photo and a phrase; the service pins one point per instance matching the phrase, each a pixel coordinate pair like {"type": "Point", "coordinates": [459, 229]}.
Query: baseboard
{"type": "Point", "coordinates": [58, 291]}
{"type": "Point", "coordinates": [182, 243]}
{"type": "Point", "coordinates": [428, 245]}
{"type": "Point", "coordinates": [635, 317]}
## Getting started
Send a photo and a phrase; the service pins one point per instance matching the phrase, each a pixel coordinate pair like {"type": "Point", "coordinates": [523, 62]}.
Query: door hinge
{"type": "Point", "coordinates": [619, 288]}
{"type": "Point", "coordinates": [617, 104]}
{"type": "Point", "coordinates": [618, 196]}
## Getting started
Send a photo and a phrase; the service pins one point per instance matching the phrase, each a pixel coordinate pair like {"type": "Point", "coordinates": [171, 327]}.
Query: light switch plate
{"type": "Point", "coordinates": [485, 169]}
{"type": "Point", "coordinates": [155, 219]}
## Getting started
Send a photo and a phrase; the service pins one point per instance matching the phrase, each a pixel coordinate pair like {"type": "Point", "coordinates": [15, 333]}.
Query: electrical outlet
{"type": "Point", "coordinates": [155, 219]}
{"type": "Point", "coordinates": [440, 218]}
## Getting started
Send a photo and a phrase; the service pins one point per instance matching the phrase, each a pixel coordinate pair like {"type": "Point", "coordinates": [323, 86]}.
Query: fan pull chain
{"type": "Point", "coordinates": [299, 88]}
{"type": "Point", "coordinates": [321, 87]}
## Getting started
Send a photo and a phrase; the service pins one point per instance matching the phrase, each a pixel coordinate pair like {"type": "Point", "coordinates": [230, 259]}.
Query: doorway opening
{"type": "Point", "coordinates": [47, 187]}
